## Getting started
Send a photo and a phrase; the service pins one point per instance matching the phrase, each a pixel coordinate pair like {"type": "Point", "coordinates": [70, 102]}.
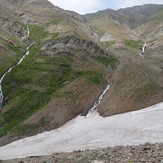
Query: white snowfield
{"type": "Point", "coordinates": [94, 131]}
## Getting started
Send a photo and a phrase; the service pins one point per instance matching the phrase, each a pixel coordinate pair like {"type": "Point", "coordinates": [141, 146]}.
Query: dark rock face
{"type": "Point", "coordinates": [8, 24]}
{"type": "Point", "coordinates": [75, 42]}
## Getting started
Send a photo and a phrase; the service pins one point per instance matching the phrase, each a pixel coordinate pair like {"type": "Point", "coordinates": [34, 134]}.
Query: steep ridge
{"type": "Point", "coordinates": [66, 71]}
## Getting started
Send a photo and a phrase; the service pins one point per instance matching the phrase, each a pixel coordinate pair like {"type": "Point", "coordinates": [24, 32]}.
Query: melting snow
{"type": "Point", "coordinates": [93, 131]}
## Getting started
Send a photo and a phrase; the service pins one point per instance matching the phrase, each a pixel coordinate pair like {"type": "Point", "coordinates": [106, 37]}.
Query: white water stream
{"type": "Point", "coordinates": [97, 102]}
{"type": "Point", "coordinates": [143, 50]}
{"type": "Point", "coordinates": [1, 79]}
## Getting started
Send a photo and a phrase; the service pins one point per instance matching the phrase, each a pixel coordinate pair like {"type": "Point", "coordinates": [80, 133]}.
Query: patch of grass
{"type": "Point", "coordinates": [107, 61]}
{"type": "Point", "coordinates": [152, 41]}
{"type": "Point", "coordinates": [19, 51]}
{"type": "Point", "coordinates": [37, 33]}
{"type": "Point", "coordinates": [53, 22]}
{"type": "Point", "coordinates": [147, 91]}
{"type": "Point", "coordinates": [11, 57]}
{"type": "Point", "coordinates": [26, 129]}
{"type": "Point", "coordinates": [138, 81]}
{"type": "Point", "coordinates": [31, 128]}
{"type": "Point", "coordinates": [108, 43]}
{"type": "Point", "coordinates": [134, 44]}
{"type": "Point", "coordinates": [93, 77]}
{"type": "Point", "coordinates": [35, 50]}
{"type": "Point", "coordinates": [32, 84]}
{"type": "Point", "coordinates": [158, 16]}
{"type": "Point", "coordinates": [55, 35]}
{"type": "Point", "coordinates": [44, 121]}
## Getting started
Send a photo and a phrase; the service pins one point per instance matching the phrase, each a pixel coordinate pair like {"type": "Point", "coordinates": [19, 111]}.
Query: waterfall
{"type": "Point", "coordinates": [28, 31]}
{"type": "Point", "coordinates": [27, 53]}
{"type": "Point", "coordinates": [1, 79]}
{"type": "Point", "coordinates": [98, 101]}
{"type": "Point", "coordinates": [143, 49]}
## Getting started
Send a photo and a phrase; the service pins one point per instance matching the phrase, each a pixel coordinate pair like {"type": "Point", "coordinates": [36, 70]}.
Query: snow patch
{"type": "Point", "coordinates": [133, 128]}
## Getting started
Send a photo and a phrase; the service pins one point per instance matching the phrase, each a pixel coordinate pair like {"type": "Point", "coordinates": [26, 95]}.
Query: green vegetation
{"type": "Point", "coordinates": [151, 41]}
{"type": "Point", "coordinates": [107, 61]}
{"type": "Point", "coordinates": [139, 80]}
{"type": "Point", "coordinates": [134, 44]}
{"type": "Point", "coordinates": [10, 57]}
{"type": "Point", "coordinates": [31, 85]}
{"type": "Point", "coordinates": [53, 22]}
{"type": "Point", "coordinates": [158, 16]}
{"type": "Point", "coordinates": [93, 77]}
{"type": "Point", "coordinates": [37, 33]}
{"type": "Point", "coordinates": [35, 50]}
{"type": "Point", "coordinates": [149, 89]}
{"type": "Point", "coordinates": [30, 128]}
{"type": "Point", "coordinates": [18, 50]}
{"type": "Point", "coordinates": [108, 43]}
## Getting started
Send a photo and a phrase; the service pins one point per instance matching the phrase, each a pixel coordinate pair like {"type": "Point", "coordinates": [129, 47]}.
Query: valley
{"type": "Point", "coordinates": [62, 62]}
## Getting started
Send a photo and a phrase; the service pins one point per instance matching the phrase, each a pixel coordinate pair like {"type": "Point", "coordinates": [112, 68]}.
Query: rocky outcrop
{"type": "Point", "coordinates": [72, 42]}
{"type": "Point", "coordinates": [9, 24]}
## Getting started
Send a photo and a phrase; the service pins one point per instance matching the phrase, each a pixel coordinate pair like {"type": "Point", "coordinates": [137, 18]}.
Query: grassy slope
{"type": "Point", "coordinates": [39, 79]}
{"type": "Point", "coordinates": [11, 54]}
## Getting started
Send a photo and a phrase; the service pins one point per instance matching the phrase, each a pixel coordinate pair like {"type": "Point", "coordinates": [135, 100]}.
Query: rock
{"type": "Point", "coordinates": [97, 161]}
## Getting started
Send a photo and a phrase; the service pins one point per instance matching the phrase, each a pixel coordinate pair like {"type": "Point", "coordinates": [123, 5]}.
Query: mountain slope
{"type": "Point", "coordinates": [138, 81]}
{"type": "Point", "coordinates": [72, 60]}
{"type": "Point", "coordinates": [120, 24]}
{"type": "Point", "coordinates": [60, 78]}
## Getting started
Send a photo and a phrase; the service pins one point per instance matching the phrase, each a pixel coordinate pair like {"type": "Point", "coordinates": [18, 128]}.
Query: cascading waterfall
{"type": "Point", "coordinates": [143, 49]}
{"type": "Point", "coordinates": [98, 101]}
{"type": "Point", "coordinates": [1, 79]}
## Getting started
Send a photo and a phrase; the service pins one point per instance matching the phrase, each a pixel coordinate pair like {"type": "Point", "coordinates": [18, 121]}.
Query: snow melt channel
{"type": "Point", "coordinates": [143, 49]}
{"type": "Point", "coordinates": [1, 79]}
{"type": "Point", "coordinates": [98, 101]}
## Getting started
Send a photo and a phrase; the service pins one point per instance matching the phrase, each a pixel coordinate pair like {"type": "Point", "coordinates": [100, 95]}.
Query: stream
{"type": "Point", "coordinates": [143, 50]}
{"type": "Point", "coordinates": [1, 79]}
{"type": "Point", "coordinates": [98, 101]}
